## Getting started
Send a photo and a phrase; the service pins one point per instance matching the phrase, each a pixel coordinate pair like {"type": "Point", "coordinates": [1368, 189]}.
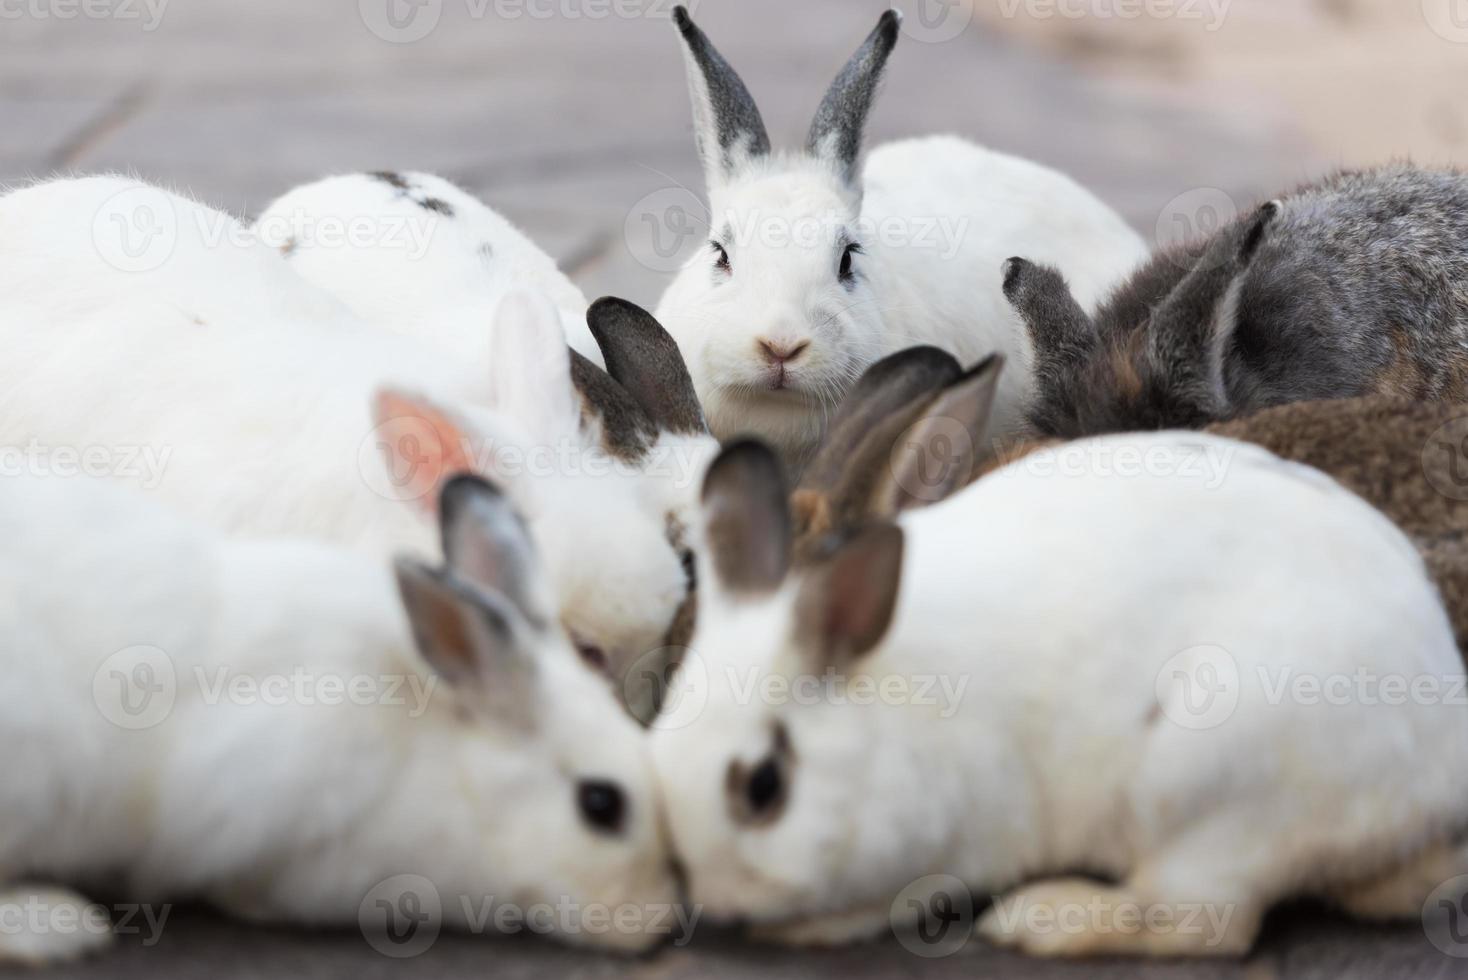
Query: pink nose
{"type": "Point", "coordinates": [782, 353]}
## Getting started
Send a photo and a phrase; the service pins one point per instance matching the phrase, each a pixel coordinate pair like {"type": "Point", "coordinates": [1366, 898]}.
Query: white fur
{"type": "Point", "coordinates": [259, 388]}
{"type": "Point", "coordinates": [1057, 600]}
{"type": "Point", "coordinates": [287, 809]}
{"type": "Point", "coordinates": [942, 215]}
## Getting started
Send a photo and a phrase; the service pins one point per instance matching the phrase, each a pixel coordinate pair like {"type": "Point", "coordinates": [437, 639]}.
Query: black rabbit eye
{"type": "Point", "coordinates": [757, 796]}
{"type": "Point", "coordinates": [721, 258]}
{"type": "Point", "coordinates": [848, 260]}
{"type": "Point", "coordinates": [602, 805]}
{"type": "Point", "coordinates": [766, 785]}
{"type": "Point", "coordinates": [593, 656]}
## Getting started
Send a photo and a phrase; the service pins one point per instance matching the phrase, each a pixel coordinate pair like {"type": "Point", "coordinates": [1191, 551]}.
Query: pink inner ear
{"type": "Point", "coordinates": [423, 447]}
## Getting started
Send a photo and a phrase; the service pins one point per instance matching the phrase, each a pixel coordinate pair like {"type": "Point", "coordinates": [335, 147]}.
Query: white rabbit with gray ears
{"type": "Point", "coordinates": [1058, 673]}
{"type": "Point", "coordinates": [816, 269]}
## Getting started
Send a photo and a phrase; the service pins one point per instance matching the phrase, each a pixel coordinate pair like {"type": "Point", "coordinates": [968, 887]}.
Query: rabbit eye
{"type": "Point", "coordinates": [721, 258]}
{"type": "Point", "coordinates": [593, 656]}
{"type": "Point", "coordinates": [757, 796]}
{"type": "Point", "coordinates": [848, 261]}
{"type": "Point", "coordinates": [602, 805]}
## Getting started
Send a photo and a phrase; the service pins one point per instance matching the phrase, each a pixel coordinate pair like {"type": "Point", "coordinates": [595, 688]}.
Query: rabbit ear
{"type": "Point", "coordinates": [424, 446]}
{"type": "Point", "coordinates": [530, 369]}
{"type": "Point", "coordinates": [1061, 333]}
{"type": "Point", "coordinates": [937, 454]}
{"type": "Point", "coordinates": [486, 544]}
{"type": "Point", "coordinates": [626, 431]}
{"type": "Point", "coordinates": [1193, 327]}
{"type": "Point", "coordinates": [747, 519]}
{"type": "Point", "coordinates": [846, 602]}
{"type": "Point", "coordinates": [891, 384]}
{"type": "Point", "coordinates": [471, 640]}
{"type": "Point", "coordinates": [727, 125]}
{"type": "Point", "coordinates": [840, 122]}
{"type": "Point", "coordinates": [645, 360]}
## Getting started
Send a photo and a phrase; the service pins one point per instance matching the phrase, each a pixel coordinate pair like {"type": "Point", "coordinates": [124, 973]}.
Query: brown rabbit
{"type": "Point", "coordinates": [1407, 459]}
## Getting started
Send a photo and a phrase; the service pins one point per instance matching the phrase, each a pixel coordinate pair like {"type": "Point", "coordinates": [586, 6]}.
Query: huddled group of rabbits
{"type": "Point", "coordinates": [834, 457]}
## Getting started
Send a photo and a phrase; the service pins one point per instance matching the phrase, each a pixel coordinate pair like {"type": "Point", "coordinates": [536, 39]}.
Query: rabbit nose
{"type": "Point", "coordinates": [782, 352]}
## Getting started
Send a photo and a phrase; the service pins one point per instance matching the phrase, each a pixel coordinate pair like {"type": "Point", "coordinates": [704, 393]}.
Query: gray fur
{"type": "Point", "coordinates": [645, 360]}
{"type": "Point", "coordinates": [627, 432]}
{"type": "Point", "coordinates": [486, 543]}
{"type": "Point", "coordinates": [1354, 286]}
{"type": "Point", "coordinates": [727, 124]}
{"type": "Point", "coordinates": [841, 119]}
{"type": "Point", "coordinates": [747, 519]}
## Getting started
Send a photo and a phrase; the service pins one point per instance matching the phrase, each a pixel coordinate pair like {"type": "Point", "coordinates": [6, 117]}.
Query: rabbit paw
{"type": "Point", "coordinates": [41, 926]}
{"type": "Point", "coordinates": [1074, 917]}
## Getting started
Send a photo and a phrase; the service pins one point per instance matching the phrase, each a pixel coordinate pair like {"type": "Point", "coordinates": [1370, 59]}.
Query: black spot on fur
{"type": "Point", "coordinates": [391, 178]}
{"type": "Point", "coordinates": [437, 206]}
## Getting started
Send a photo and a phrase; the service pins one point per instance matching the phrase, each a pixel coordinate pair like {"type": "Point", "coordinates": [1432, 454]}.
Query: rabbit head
{"type": "Point", "coordinates": [606, 486]}
{"type": "Point", "coordinates": [775, 316]}
{"type": "Point", "coordinates": [908, 434]}
{"type": "Point", "coordinates": [1140, 364]}
{"type": "Point", "coordinates": [766, 798]}
{"type": "Point", "coordinates": [559, 780]}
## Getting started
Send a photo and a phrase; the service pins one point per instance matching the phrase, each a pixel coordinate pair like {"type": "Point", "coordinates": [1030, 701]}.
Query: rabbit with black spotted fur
{"type": "Point", "coordinates": [1349, 287]}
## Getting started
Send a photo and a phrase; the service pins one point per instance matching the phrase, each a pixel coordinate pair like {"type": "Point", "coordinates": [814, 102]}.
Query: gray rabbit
{"type": "Point", "coordinates": [1354, 286]}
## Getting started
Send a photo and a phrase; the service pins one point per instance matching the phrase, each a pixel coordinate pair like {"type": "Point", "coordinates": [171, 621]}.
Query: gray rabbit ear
{"type": "Point", "coordinates": [841, 120]}
{"type": "Point", "coordinates": [846, 602]}
{"type": "Point", "coordinates": [747, 519]}
{"type": "Point", "coordinates": [487, 545]}
{"type": "Point", "coordinates": [726, 123]}
{"type": "Point", "coordinates": [1191, 332]}
{"type": "Point", "coordinates": [645, 360]}
{"type": "Point", "coordinates": [626, 431]}
{"type": "Point", "coordinates": [472, 640]}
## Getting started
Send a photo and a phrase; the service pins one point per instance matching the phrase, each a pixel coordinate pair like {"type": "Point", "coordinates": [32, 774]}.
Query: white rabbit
{"type": "Point", "coordinates": [1082, 661]}
{"type": "Point", "coordinates": [816, 270]}
{"type": "Point", "coordinates": [264, 402]}
{"type": "Point", "coordinates": [414, 254]}
{"type": "Point", "coordinates": [247, 722]}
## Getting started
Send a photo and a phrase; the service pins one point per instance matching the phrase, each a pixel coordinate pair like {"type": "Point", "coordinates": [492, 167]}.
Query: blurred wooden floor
{"type": "Point", "coordinates": [568, 124]}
